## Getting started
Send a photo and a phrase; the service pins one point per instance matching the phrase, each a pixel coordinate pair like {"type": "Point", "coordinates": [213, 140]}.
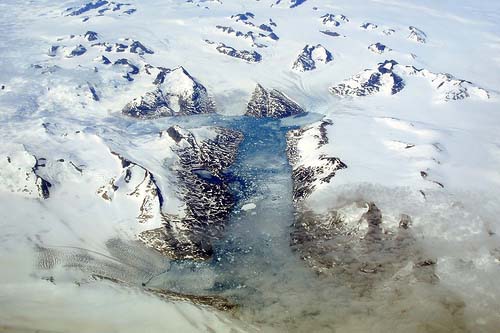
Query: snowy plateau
{"type": "Point", "coordinates": [249, 166]}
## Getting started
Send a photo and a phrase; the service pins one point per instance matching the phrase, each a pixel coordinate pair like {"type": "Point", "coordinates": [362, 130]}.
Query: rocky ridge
{"type": "Point", "coordinates": [382, 79]}
{"type": "Point", "coordinates": [176, 92]}
{"type": "Point", "coordinates": [100, 8]}
{"type": "Point", "coordinates": [379, 48]}
{"type": "Point", "coordinates": [310, 56]}
{"type": "Point", "coordinates": [248, 56]}
{"type": "Point", "coordinates": [202, 186]}
{"type": "Point", "coordinates": [387, 78]}
{"type": "Point", "coordinates": [310, 166]}
{"type": "Point", "coordinates": [271, 103]}
{"type": "Point", "coordinates": [417, 35]}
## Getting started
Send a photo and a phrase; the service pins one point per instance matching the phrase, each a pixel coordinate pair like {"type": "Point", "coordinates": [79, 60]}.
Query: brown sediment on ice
{"type": "Point", "coordinates": [217, 302]}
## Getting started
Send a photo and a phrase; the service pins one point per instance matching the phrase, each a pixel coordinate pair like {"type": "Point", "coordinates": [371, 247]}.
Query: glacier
{"type": "Point", "coordinates": [249, 166]}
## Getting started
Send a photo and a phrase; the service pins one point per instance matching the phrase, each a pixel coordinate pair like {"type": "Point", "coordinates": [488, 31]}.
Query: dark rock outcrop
{"type": "Point", "coordinates": [139, 48]}
{"type": "Point", "coordinates": [388, 32]}
{"type": "Point", "coordinates": [272, 104]}
{"type": "Point", "coordinates": [330, 33]}
{"type": "Point", "coordinates": [77, 51]}
{"type": "Point", "coordinates": [137, 182]}
{"type": "Point", "coordinates": [98, 8]}
{"type": "Point", "coordinates": [91, 36]}
{"type": "Point", "coordinates": [417, 35]}
{"type": "Point", "coordinates": [310, 56]}
{"type": "Point", "coordinates": [255, 38]}
{"type": "Point", "coordinates": [333, 20]}
{"type": "Point", "coordinates": [93, 92]}
{"type": "Point", "coordinates": [105, 60]}
{"type": "Point", "coordinates": [53, 51]}
{"type": "Point", "coordinates": [20, 173]}
{"type": "Point", "coordinates": [87, 7]}
{"type": "Point", "coordinates": [296, 3]}
{"type": "Point", "coordinates": [372, 81]}
{"type": "Point", "coordinates": [176, 93]}
{"type": "Point", "coordinates": [203, 187]}
{"type": "Point", "coordinates": [378, 48]}
{"type": "Point", "coordinates": [448, 87]}
{"type": "Point", "coordinates": [369, 26]}
{"type": "Point", "coordinates": [132, 69]}
{"type": "Point", "coordinates": [387, 78]}
{"type": "Point", "coordinates": [243, 16]}
{"type": "Point", "coordinates": [249, 56]}
{"type": "Point", "coordinates": [307, 175]}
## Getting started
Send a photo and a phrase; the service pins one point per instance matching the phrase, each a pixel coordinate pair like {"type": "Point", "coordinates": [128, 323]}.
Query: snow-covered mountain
{"type": "Point", "coordinates": [317, 165]}
{"type": "Point", "coordinates": [176, 93]}
{"type": "Point", "coordinates": [387, 79]}
{"type": "Point", "coordinates": [310, 56]}
{"type": "Point", "coordinates": [271, 103]}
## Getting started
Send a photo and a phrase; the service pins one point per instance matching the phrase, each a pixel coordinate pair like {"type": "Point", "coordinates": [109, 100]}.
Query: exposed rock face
{"type": "Point", "coordinates": [216, 302]}
{"type": "Point", "coordinates": [195, 178]}
{"type": "Point", "coordinates": [100, 7]}
{"type": "Point", "coordinates": [383, 79]}
{"type": "Point", "coordinates": [329, 20]}
{"type": "Point", "coordinates": [247, 19]}
{"type": "Point", "coordinates": [77, 51]}
{"type": "Point", "coordinates": [91, 36]}
{"type": "Point", "coordinates": [243, 16]}
{"type": "Point", "coordinates": [176, 93]}
{"type": "Point", "coordinates": [295, 3]}
{"type": "Point", "coordinates": [53, 51]}
{"type": "Point", "coordinates": [291, 3]}
{"type": "Point", "coordinates": [249, 56]}
{"type": "Point", "coordinates": [330, 33]}
{"type": "Point", "coordinates": [131, 68]}
{"type": "Point", "coordinates": [87, 7]}
{"type": "Point", "coordinates": [136, 182]}
{"type": "Point", "coordinates": [255, 38]}
{"type": "Point", "coordinates": [104, 60]}
{"type": "Point", "coordinates": [333, 20]}
{"type": "Point", "coordinates": [310, 56]}
{"type": "Point", "coordinates": [378, 48]}
{"type": "Point", "coordinates": [203, 187]}
{"type": "Point", "coordinates": [273, 104]}
{"type": "Point", "coordinates": [139, 48]}
{"type": "Point", "coordinates": [389, 32]}
{"type": "Point", "coordinates": [417, 35]}
{"type": "Point", "coordinates": [310, 167]}
{"type": "Point", "coordinates": [449, 88]}
{"type": "Point", "coordinates": [369, 26]}
{"type": "Point", "coordinates": [19, 175]}
{"type": "Point", "coordinates": [259, 35]}
{"type": "Point", "coordinates": [93, 92]}
{"type": "Point", "coordinates": [387, 79]}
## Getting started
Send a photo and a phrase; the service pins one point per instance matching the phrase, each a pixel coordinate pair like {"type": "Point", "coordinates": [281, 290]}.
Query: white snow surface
{"type": "Point", "coordinates": [48, 111]}
{"type": "Point", "coordinates": [248, 206]}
